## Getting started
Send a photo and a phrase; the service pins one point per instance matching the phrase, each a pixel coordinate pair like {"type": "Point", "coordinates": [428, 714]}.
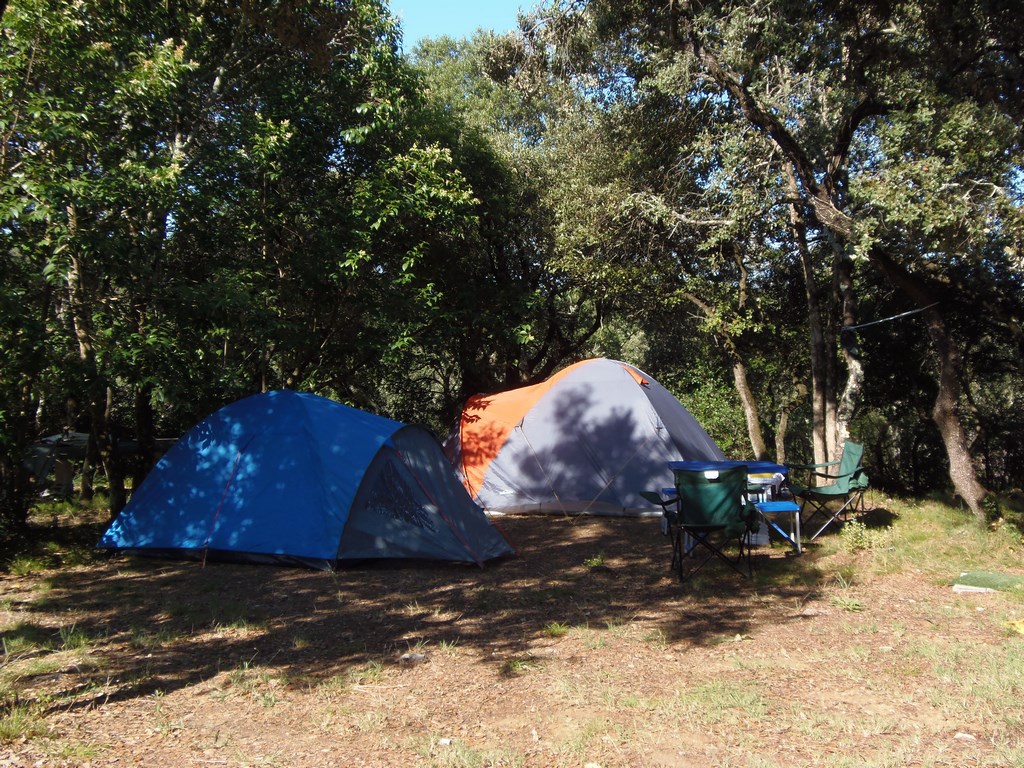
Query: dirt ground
{"type": "Point", "coordinates": [584, 650]}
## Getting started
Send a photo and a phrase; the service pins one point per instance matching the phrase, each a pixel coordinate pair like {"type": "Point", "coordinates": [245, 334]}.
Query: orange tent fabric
{"type": "Point", "coordinates": [488, 420]}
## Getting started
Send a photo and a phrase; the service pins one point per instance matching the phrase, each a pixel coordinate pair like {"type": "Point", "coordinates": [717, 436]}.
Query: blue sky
{"type": "Point", "coordinates": [457, 18]}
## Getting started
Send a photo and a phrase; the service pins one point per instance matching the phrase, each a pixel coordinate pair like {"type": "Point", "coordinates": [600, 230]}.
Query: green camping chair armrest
{"type": "Point", "coordinates": [838, 476]}
{"type": "Point", "coordinates": [655, 498]}
{"type": "Point", "coordinates": [811, 466]}
{"type": "Point", "coordinates": [809, 471]}
{"type": "Point", "coordinates": [668, 506]}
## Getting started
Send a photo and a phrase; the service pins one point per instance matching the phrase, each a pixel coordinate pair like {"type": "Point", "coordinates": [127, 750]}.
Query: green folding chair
{"type": "Point", "coordinates": [713, 510]}
{"type": "Point", "coordinates": [846, 486]}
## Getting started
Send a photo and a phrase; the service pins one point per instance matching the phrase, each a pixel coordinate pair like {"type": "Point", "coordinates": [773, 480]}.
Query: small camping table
{"type": "Point", "coordinates": [776, 508]}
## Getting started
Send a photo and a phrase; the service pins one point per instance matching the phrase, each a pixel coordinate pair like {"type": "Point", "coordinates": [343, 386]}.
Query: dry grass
{"type": "Point", "coordinates": [857, 654]}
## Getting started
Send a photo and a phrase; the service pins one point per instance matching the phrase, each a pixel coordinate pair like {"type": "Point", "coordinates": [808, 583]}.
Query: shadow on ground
{"type": "Point", "coordinates": [158, 625]}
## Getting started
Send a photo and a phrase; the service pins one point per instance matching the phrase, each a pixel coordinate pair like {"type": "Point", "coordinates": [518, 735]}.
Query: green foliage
{"type": "Point", "coordinates": [19, 722]}
{"type": "Point", "coordinates": [595, 561]}
{"type": "Point", "coordinates": [854, 535]}
{"type": "Point", "coordinates": [710, 398]}
{"type": "Point", "coordinates": [180, 228]}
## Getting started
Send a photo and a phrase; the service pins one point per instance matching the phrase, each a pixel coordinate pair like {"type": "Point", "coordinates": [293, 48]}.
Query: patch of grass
{"type": "Point", "coordinates": [26, 637]}
{"type": "Point", "coordinates": [854, 536]}
{"type": "Point", "coordinates": [990, 677]}
{"type": "Point", "coordinates": [38, 666]}
{"type": "Point", "coordinates": [418, 648]}
{"type": "Point", "coordinates": [333, 685]}
{"type": "Point", "coordinates": [595, 561]}
{"type": "Point", "coordinates": [846, 603]}
{"type": "Point", "coordinates": [556, 629]}
{"type": "Point", "coordinates": [373, 672]}
{"type": "Point", "coordinates": [518, 665]}
{"type": "Point", "coordinates": [235, 616]}
{"type": "Point", "coordinates": [857, 536]}
{"type": "Point", "coordinates": [617, 627]}
{"type": "Point", "coordinates": [147, 639]}
{"type": "Point", "coordinates": [59, 535]}
{"type": "Point", "coordinates": [657, 638]}
{"type": "Point", "coordinates": [723, 702]}
{"type": "Point", "coordinates": [588, 737]}
{"type": "Point", "coordinates": [592, 639]}
{"type": "Point", "coordinates": [22, 722]}
{"type": "Point", "coordinates": [247, 678]}
{"type": "Point", "coordinates": [368, 721]}
{"type": "Point", "coordinates": [74, 639]}
{"type": "Point", "coordinates": [183, 611]}
{"type": "Point", "coordinates": [942, 541]}
{"type": "Point", "coordinates": [448, 647]}
{"type": "Point", "coordinates": [75, 754]}
{"type": "Point", "coordinates": [28, 565]}
{"type": "Point", "coordinates": [844, 580]}
{"type": "Point", "coordinates": [445, 752]}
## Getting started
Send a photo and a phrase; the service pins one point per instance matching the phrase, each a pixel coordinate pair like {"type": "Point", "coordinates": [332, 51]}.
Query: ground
{"type": "Point", "coordinates": [583, 650]}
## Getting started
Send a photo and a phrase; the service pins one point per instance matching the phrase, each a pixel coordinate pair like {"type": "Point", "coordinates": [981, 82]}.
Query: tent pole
{"type": "Point", "coordinates": [612, 479]}
{"type": "Point", "coordinates": [540, 464]}
{"type": "Point", "coordinates": [440, 512]}
{"type": "Point", "coordinates": [224, 495]}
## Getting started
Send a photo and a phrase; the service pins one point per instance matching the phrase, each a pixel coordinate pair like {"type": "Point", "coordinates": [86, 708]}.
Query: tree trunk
{"type": "Point", "coordinates": [819, 350]}
{"type": "Point", "coordinates": [853, 391]}
{"type": "Point", "coordinates": [750, 409]}
{"type": "Point", "coordinates": [751, 412]}
{"type": "Point", "coordinates": [110, 455]}
{"type": "Point", "coordinates": [15, 492]}
{"type": "Point", "coordinates": [946, 410]}
{"type": "Point", "coordinates": [88, 470]}
{"type": "Point", "coordinates": [100, 394]}
{"type": "Point", "coordinates": [780, 436]}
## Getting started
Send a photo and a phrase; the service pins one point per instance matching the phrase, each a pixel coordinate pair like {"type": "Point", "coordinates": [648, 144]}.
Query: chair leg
{"type": "Point", "coordinates": [816, 508]}
{"type": "Point", "coordinates": [701, 539]}
{"type": "Point", "coordinates": [851, 500]}
{"type": "Point", "coordinates": [677, 550]}
{"type": "Point", "coordinates": [746, 553]}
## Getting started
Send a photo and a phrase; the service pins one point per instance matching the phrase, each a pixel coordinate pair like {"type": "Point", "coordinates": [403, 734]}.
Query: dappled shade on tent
{"type": "Point", "coordinates": [291, 477]}
{"type": "Point", "coordinates": [591, 438]}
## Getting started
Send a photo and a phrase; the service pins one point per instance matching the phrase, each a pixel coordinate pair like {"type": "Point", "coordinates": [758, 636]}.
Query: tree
{"type": "Point", "coordinates": [167, 167]}
{"type": "Point", "coordinates": [508, 313]}
{"type": "Point", "coordinates": [817, 83]}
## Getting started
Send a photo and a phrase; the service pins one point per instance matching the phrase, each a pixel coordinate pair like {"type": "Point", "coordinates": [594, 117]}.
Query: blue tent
{"type": "Point", "coordinates": [290, 477]}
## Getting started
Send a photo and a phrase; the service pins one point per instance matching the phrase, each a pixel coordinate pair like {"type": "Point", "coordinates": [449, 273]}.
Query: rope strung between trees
{"type": "Point", "coordinates": [887, 319]}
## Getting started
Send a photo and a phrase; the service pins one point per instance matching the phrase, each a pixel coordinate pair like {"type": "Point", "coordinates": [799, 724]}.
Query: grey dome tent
{"type": "Point", "coordinates": [589, 439]}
